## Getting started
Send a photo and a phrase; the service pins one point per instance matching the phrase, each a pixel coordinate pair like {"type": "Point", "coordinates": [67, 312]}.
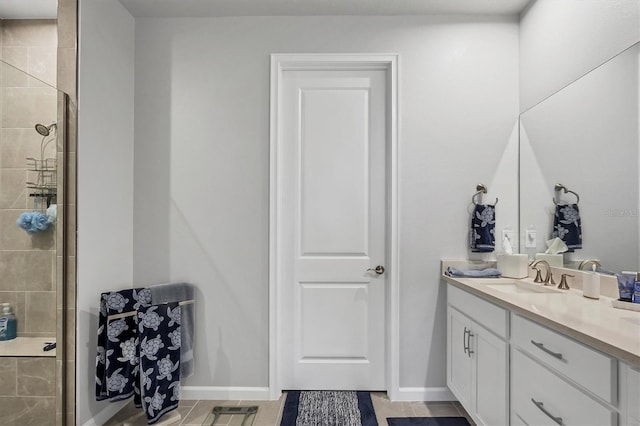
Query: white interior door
{"type": "Point", "coordinates": [333, 206]}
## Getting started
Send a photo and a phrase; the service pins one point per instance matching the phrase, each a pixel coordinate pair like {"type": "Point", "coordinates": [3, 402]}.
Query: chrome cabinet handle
{"type": "Point", "coordinates": [378, 270]}
{"type": "Point", "coordinates": [540, 405]}
{"type": "Point", "coordinates": [542, 348]}
{"type": "Point", "coordinates": [464, 340]}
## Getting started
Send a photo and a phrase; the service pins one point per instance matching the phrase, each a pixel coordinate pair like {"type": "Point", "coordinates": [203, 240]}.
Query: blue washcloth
{"type": "Point", "coordinates": [482, 234]}
{"type": "Point", "coordinates": [473, 273]}
{"type": "Point", "coordinates": [567, 225]}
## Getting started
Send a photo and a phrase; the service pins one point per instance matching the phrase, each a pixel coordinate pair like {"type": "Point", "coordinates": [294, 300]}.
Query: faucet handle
{"type": "Point", "coordinates": [563, 282]}
{"type": "Point", "coordinates": [538, 278]}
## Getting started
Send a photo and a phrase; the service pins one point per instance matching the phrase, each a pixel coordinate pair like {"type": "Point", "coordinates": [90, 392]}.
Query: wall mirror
{"type": "Point", "coordinates": [586, 137]}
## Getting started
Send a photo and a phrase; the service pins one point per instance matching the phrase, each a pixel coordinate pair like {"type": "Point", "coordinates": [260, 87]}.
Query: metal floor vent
{"type": "Point", "coordinates": [247, 412]}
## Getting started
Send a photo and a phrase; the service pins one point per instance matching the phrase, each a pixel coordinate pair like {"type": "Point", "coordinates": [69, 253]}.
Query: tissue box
{"type": "Point", "coordinates": [552, 259]}
{"type": "Point", "coordinates": [513, 265]}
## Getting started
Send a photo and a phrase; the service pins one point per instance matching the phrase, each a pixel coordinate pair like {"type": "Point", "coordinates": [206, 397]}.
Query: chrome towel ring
{"type": "Point", "coordinates": [560, 187]}
{"type": "Point", "coordinates": [481, 190]}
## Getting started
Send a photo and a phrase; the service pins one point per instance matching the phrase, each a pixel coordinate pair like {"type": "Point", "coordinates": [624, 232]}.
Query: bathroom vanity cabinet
{"type": "Point", "coordinates": [505, 368]}
{"type": "Point", "coordinates": [477, 353]}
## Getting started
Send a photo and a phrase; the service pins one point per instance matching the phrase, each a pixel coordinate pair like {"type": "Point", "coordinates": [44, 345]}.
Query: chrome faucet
{"type": "Point", "coordinates": [587, 261]}
{"type": "Point", "coordinates": [548, 279]}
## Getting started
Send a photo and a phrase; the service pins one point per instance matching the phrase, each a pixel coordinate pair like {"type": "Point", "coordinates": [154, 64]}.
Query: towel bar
{"type": "Point", "coordinates": [132, 313]}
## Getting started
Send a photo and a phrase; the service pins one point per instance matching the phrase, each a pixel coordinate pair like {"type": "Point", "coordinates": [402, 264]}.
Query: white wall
{"type": "Point", "coordinates": [562, 40]}
{"type": "Point", "coordinates": [105, 180]}
{"type": "Point", "coordinates": [202, 166]}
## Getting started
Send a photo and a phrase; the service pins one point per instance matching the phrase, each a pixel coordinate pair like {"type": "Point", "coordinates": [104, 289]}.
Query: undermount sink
{"type": "Point", "coordinates": [523, 287]}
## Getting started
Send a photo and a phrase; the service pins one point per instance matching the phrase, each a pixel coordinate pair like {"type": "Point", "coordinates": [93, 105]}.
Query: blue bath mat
{"type": "Point", "coordinates": [427, 421]}
{"type": "Point", "coordinates": [317, 408]}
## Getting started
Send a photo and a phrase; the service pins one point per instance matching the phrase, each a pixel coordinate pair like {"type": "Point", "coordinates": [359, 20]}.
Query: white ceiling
{"type": "Point", "coordinates": [211, 8]}
{"type": "Point", "coordinates": [28, 9]}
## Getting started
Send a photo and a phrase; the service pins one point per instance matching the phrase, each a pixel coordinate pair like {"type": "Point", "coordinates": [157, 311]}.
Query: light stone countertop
{"type": "Point", "coordinates": [26, 346]}
{"type": "Point", "coordinates": [595, 323]}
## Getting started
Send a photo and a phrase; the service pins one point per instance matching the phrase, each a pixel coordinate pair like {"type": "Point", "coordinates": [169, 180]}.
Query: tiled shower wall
{"type": "Point", "coordinates": [27, 262]}
{"type": "Point", "coordinates": [27, 391]}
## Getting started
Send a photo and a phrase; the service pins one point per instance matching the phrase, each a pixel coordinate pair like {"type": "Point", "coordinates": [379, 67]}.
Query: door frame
{"type": "Point", "coordinates": [277, 233]}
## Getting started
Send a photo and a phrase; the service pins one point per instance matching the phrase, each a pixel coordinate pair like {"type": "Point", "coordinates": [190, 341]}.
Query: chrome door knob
{"type": "Point", "coordinates": [378, 270]}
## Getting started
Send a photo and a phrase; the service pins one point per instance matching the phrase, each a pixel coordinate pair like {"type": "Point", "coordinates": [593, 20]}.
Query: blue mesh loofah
{"type": "Point", "coordinates": [33, 222]}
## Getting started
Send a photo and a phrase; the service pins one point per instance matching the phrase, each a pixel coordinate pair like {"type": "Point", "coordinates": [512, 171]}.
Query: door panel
{"type": "Point", "coordinates": [325, 308]}
{"type": "Point", "coordinates": [334, 160]}
{"type": "Point", "coordinates": [334, 170]}
{"type": "Point", "coordinates": [492, 388]}
{"type": "Point", "coordinates": [459, 361]}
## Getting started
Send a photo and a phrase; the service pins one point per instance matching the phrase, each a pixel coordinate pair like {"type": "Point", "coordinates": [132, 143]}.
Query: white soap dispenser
{"type": "Point", "coordinates": [591, 284]}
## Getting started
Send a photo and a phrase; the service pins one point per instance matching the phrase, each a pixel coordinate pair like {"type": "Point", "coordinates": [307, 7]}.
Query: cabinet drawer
{"type": "Point", "coordinates": [539, 397]}
{"type": "Point", "coordinates": [485, 313]}
{"type": "Point", "coordinates": [588, 367]}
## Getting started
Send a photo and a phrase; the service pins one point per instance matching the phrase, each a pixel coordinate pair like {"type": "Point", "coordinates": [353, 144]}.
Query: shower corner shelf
{"type": "Point", "coordinates": [45, 186]}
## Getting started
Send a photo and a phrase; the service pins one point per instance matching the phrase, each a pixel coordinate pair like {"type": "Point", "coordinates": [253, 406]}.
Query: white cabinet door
{"type": "Point", "coordinates": [490, 374]}
{"type": "Point", "coordinates": [458, 358]}
{"type": "Point", "coordinates": [477, 369]}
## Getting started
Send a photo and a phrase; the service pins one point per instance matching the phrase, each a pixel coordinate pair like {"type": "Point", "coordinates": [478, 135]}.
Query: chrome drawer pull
{"type": "Point", "coordinates": [540, 405]}
{"type": "Point", "coordinates": [541, 346]}
{"type": "Point", "coordinates": [469, 351]}
{"type": "Point", "coordinates": [464, 340]}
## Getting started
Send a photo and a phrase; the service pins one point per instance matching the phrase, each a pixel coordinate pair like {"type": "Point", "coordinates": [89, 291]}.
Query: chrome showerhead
{"type": "Point", "coordinates": [45, 130]}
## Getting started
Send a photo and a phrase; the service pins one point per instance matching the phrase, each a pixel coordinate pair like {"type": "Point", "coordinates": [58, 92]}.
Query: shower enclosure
{"type": "Point", "coordinates": [32, 248]}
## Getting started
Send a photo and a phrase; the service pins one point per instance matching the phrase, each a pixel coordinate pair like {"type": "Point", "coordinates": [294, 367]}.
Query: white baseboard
{"type": "Point", "coordinates": [425, 394]}
{"type": "Point", "coordinates": [109, 411]}
{"type": "Point", "coordinates": [221, 393]}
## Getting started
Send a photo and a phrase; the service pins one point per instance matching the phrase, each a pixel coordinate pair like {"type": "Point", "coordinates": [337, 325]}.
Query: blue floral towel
{"type": "Point", "coordinates": [180, 292]}
{"type": "Point", "coordinates": [482, 234]}
{"type": "Point", "coordinates": [567, 225]}
{"type": "Point", "coordinates": [159, 359]}
{"type": "Point", "coordinates": [117, 358]}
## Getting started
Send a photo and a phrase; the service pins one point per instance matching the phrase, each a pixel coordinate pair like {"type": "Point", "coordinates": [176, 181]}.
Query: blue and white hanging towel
{"type": "Point", "coordinates": [160, 338]}
{"type": "Point", "coordinates": [482, 233]}
{"type": "Point", "coordinates": [180, 292]}
{"type": "Point", "coordinates": [567, 225]}
{"type": "Point", "coordinates": [118, 347]}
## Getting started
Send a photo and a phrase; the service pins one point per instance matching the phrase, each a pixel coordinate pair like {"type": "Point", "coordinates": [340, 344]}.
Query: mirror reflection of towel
{"type": "Point", "coordinates": [567, 225]}
{"type": "Point", "coordinates": [482, 232]}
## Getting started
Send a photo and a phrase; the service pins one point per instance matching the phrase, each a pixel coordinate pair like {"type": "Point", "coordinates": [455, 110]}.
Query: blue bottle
{"type": "Point", "coordinates": [8, 326]}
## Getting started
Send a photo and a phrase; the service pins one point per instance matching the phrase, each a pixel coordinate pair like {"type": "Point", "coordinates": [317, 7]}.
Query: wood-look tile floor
{"type": "Point", "coordinates": [194, 413]}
